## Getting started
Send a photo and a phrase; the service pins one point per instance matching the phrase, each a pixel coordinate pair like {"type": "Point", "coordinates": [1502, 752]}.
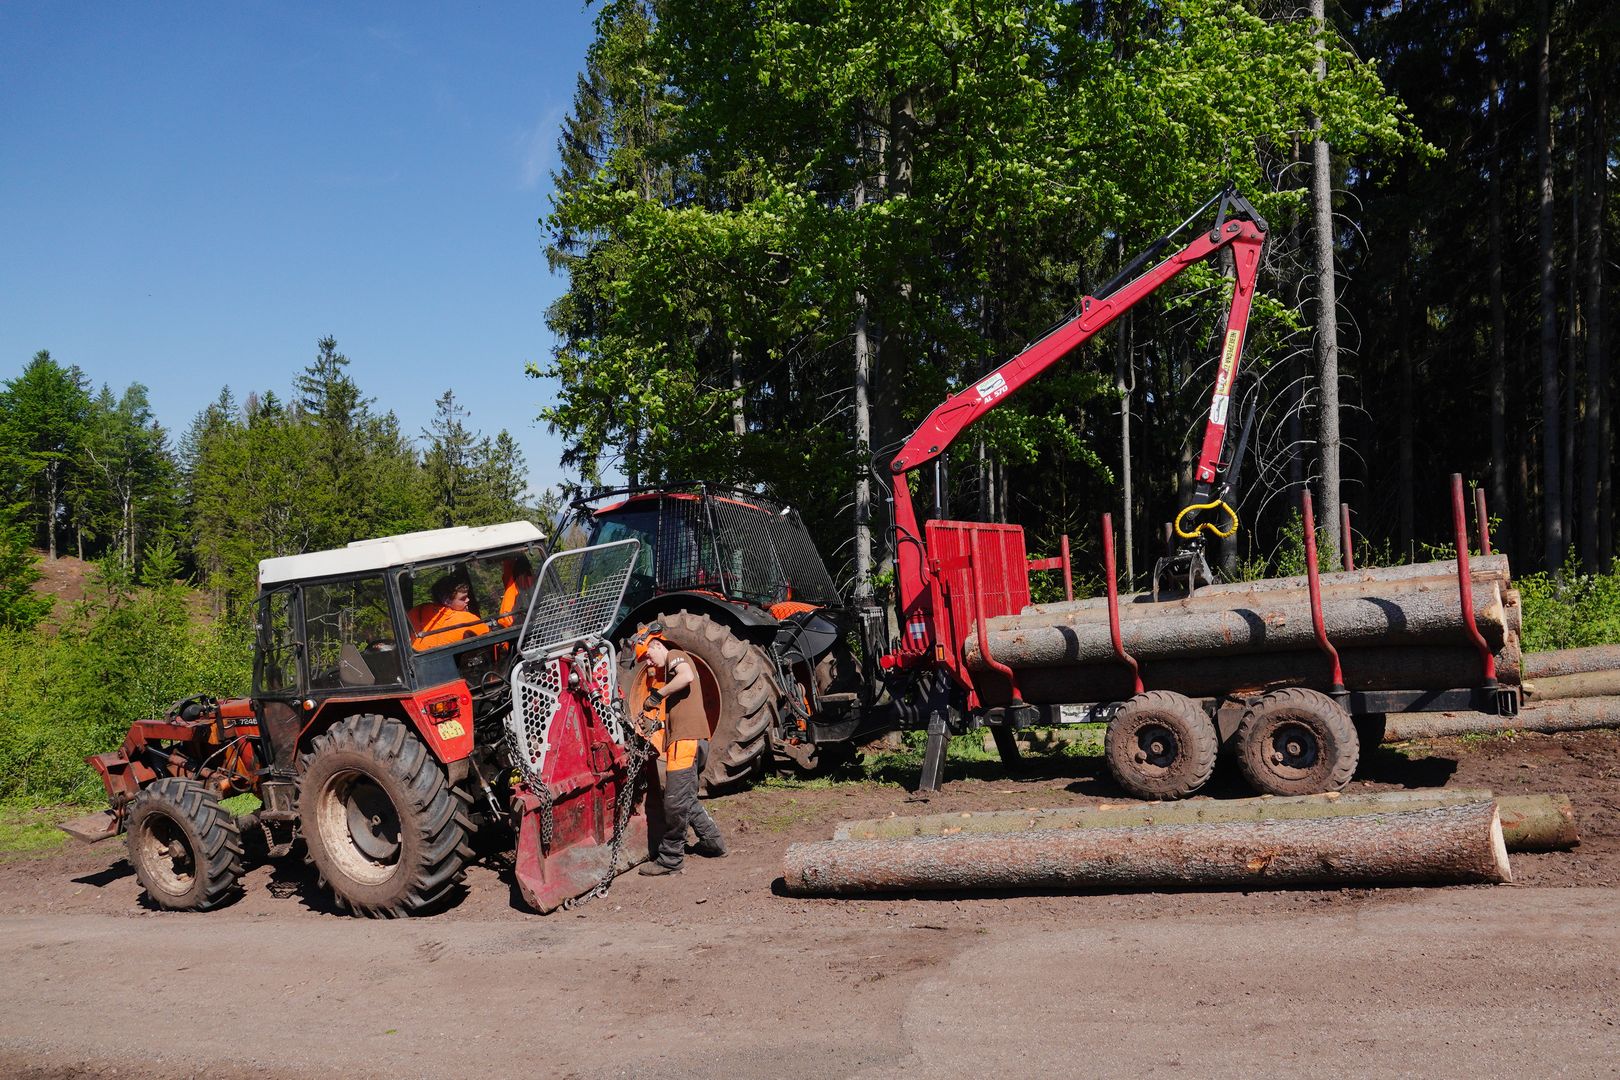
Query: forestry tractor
{"type": "Point", "coordinates": [408, 692]}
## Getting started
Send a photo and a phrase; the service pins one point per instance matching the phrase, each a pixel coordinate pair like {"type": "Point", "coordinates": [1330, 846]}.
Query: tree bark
{"type": "Point", "coordinates": [863, 418]}
{"type": "Point", "coordinates": [1282, 623]}
{"type": "Point", "coordinates": [1561, 662]}
{"type": "Point", "coordinates": [1594, 556]}
{"type": "Point", "coordinates": [1529, 822]}
{"type": "Point", "coordinates": [1327, 324]}
{"type": "Point", "coordinates": [1551, 440]}
{"type": "Point", "coordinates": [1448, 844]}
{"type": "Point", "coordinates": [1547, 717]}
{"type": "Point", "coordinates": [1498, 369]}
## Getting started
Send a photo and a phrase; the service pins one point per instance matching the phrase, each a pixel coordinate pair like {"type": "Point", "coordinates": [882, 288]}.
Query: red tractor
{"type": "Point", "coordinates": [737, 582]}
{"type": "Point", "coordinates": [381, 730]}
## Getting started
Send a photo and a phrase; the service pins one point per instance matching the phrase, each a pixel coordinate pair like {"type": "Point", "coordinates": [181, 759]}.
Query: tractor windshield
{"type": "Point", "coordinates": [454, 601]}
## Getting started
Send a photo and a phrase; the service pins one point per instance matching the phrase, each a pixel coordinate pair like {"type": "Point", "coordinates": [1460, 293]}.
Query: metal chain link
{"type": "Point", "coordinates": [639, 751]}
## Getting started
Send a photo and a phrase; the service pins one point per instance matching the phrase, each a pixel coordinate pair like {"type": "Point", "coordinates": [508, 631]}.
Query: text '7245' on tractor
{"type": "Point", "coordinates": [408, 694]}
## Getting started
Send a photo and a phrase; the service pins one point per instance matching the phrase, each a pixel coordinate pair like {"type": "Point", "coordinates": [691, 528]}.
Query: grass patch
{"type": "Point", "coordinates": [1476, 740]}
{"type": "Point", "coordinates": [31, 830]}
{"type": "Point", "coordinates": [237, 805]}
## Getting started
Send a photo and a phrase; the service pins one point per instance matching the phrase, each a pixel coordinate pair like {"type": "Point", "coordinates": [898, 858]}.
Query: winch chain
{"type": "Point", "coordinates": [639, 751]}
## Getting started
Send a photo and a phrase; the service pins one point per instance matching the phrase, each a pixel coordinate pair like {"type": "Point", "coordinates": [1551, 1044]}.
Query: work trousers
{"type": "Point", "coordinates": [682, 809]}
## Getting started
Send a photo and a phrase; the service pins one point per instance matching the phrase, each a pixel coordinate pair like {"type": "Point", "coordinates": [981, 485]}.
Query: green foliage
{"type": "Point", "coordinates": [1570, 610]}
{"type": "Point", "coordinates": [20, 606]}
{"type": "Point", "coordinates": [128, 651]}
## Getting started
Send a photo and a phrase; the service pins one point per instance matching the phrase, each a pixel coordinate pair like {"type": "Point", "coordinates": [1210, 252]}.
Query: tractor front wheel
{"type": "Point", "coordinates": [184, 846]}
{"type": "Point", "coordinates": [385, 829]}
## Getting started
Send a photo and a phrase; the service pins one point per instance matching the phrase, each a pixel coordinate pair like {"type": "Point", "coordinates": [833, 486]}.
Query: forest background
{"type": "Point", "coordinates": [789, 228]}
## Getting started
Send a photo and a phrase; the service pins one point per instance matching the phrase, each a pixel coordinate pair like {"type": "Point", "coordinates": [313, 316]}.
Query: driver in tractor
{"type": "Point", "coordinates": [673, 719]}
{"type": "Point", "coordinates": [447, 617]}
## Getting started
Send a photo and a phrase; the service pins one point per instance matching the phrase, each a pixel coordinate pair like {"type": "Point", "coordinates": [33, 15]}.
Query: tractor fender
{"type": "Point", "coordinates": [753, 623]}
{"type": "Point", "coordinates": [441, 715]}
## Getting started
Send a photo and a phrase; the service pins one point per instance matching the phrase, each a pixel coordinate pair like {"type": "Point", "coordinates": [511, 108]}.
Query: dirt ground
{"type": "Point", "coordinates": [713, 973]}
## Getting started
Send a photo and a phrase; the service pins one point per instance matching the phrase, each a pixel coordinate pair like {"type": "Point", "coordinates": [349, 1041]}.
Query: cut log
{"type": "Point", "coordinates": [1431, 618]}
{"type": "Point", "coordinates": [1572, 714]}
{"type": "Point", "coordinates": [1580, 684]}
{"type": "Point", "coordinates": [1529, 822]}
{"type": "Point", "coordinates": [1449, 844]}
{"type": "Point", "coordinates": [1492, 568]}
{"type": "Point", "coordinates": [1548, 665]}
{"type": "Point", "coordinates": [1438, 667]}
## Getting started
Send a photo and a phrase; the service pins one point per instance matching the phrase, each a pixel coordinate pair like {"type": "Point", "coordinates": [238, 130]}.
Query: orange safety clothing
{"type": "Point", "coordinates": [434, 624]}
{"type": "Point", "coordinates": [516, 586]}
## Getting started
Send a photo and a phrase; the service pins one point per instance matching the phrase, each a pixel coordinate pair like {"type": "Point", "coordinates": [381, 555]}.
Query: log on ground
{"type": "Point", "coordinates": [1547, 665]}
{"type": "Point", "coordinates": [1547, 717]}
{"type": "Point", "coordinates": [1041, 640]}
{"type": "Point", "coordinates": [1529, 822]}
{"type": "Point", "coordinates": [1416, 667]}
{"type": "Point", "coordinates": [1445, 845]}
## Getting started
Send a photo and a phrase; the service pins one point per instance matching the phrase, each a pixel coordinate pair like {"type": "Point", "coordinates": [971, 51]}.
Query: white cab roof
{"type": "Point", "coordinates": [386, 551]}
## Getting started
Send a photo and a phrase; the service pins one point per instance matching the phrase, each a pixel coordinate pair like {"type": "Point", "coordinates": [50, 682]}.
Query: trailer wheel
{"type": "Point", "coordinates": [184, 846]}
{"type": "Point", "coordinates": [1297, 742]}
{"type": "Point", "coordinates": [1161, 745]}
{"type": "Point", "coordinates": [739, 690]}
{"type": "Point", "coordinates": [385, 828]}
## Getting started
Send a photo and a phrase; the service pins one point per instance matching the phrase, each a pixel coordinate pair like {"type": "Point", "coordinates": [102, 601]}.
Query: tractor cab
{"type": "Point", "coordinates": [733, 545]}
{"type": "Point", "coordinates": [414, 618]}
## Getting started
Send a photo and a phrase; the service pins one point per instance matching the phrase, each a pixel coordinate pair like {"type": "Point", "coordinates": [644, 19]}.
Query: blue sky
{"type": "Point", "coordinates": [192, 194]}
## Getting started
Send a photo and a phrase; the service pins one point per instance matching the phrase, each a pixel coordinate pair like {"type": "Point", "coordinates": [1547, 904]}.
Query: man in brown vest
{"type": "Point", "coordinates": [673, 717]}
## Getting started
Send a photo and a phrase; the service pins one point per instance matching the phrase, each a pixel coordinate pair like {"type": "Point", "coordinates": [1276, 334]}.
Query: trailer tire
{"type": "Point", "coordinates": [1161, 745]}
{"type": "Point", "coordinates": [1297, 742]}
{"type": "Point", "coordinates": [184, 846]}
{"type": "Point", "coordinates": [385, 829]}
{"type": "Point", "coordinates": [737, 674]}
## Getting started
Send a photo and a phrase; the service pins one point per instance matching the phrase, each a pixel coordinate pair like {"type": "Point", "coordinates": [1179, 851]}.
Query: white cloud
{"type": "Point", "coordinates": [537, 148]}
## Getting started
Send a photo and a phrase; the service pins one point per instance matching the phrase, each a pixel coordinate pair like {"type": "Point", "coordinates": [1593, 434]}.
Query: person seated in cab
{"type": "Point", "coordinates": [447, 617]}
{"type": "Point", "coordinates": [517, 578]}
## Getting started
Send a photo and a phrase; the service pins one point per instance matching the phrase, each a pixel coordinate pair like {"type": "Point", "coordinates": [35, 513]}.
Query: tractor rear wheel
{"type": "Point", "coordinates": [740, 695]}
{"type": "Point", "coordinates": [385, 829]}
{"type": "Point", "coordinates": [1297, 742]}
{"type": "Point", "coordinates": [1161, 745]}
{"type": "Point", "coordinates": [184, 846]}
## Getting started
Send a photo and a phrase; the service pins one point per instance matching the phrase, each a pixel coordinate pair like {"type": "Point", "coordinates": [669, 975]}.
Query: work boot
{"type": "Point", "coordinates": [711, 849]}
{"type": "Point", "coordinates": [657, 869]}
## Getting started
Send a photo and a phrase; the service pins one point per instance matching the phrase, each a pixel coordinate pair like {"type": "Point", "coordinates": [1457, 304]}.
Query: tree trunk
{"type": "Point", "coordinates": [1406, 478]}
{"type": "Point", "coordinates": [1498, 369]}
{"type": "Point", "coordinates": [1448, 844]}
{"type": "Point", "coordinates": [1571, 376]}
{"type": "Point", "coordinates": [1327, 316]}
{"type": "Point", "coordinates": [52, 479]}
{"type": "Point", "coordinates": [739, 419]}
{"type": "Point", "coordinates": [1551, 440]}
{"type": "Point", "coordinates": [1593, 556]}
{"type": "Point", "coordinates": [1125, 383]}
{"type": "Point", "coordinates": [1529, 822]}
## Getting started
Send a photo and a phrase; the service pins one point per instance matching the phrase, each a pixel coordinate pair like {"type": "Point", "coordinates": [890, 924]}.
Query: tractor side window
{"type": "Point", "coordinates": [277, 663]}
{"type": "Point", "coordinates": [349, 634]}
{"type": "Point", "coordinates": [632, 525]}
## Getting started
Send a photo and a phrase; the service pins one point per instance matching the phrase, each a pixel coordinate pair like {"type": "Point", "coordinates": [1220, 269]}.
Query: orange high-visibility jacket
{"type": "Point", "coordinates": [435, 625]}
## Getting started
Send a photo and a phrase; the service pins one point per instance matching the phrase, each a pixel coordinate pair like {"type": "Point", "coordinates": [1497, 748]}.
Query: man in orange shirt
{"type": "Point", "coordinates": [673, 717]}
{"type": "Point", "coordinates": [447, 617]}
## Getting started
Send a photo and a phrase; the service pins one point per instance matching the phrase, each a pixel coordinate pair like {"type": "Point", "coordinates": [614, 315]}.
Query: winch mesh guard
{"type": "Point", "coordinates": [577, 597]}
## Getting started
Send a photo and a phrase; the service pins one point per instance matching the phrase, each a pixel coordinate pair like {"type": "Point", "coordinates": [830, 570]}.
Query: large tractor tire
{"type": "Point", "coordinates": [740, 694]}
{"type": "Point", "coordinates": [184, 846]}
{"type": "Point", "coordinates": [385, 829]}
